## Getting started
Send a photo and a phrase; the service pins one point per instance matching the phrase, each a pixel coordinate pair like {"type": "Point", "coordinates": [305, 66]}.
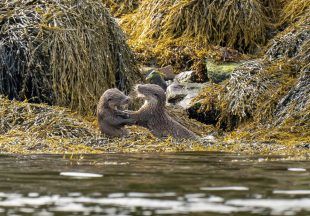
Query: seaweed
{"type": "Point", "coordinates": [62, 52]}
{"type": "Point", "coordinates": [225, 23]}
{"type": "Point", "coordinates": [266, 99]}
{"type": "Point", "coordinates": [184, 33]}
{"type": "Point", "coordinates": [27, 128]}
{"type": "Point", "coordinates": [294, 107]}
{"type": "Point", "coordinates": [121, 7]}
{"type": "Point", "coordinates": [293, 11]}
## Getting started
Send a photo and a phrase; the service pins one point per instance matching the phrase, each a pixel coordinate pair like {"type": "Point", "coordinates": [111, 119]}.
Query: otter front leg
{"type": "Point", "coordinates": [120, 119]}
{"type": "Point", "coordinates": [139, 118]}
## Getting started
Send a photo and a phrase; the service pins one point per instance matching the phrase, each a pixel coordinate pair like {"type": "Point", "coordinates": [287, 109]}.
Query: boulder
{"type": "Point", "coordinates": [182, 94]}
{"type": "Point", "coordinates": [185, 77]}
{"type": "Point", "coordinates": [145, 70]}
{"type": "Point", "coordinates": [219, 72]}
{"type": "Point", "coordinates": [175, 93]}
{"type": "Point", "coordinates": [156, 78]}
{"type": "Point", "coordinates": [167, 72]}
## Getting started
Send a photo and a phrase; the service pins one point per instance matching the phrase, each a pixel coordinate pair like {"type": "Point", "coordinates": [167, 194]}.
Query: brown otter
{"type": "Point", "coordinates": [153, 115]}
{"type": "Point", "coordinates": [110, 118]}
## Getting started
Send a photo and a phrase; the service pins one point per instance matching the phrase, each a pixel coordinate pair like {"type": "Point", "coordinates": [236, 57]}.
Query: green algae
{"type": "Point", "coordinates": [219, 72]}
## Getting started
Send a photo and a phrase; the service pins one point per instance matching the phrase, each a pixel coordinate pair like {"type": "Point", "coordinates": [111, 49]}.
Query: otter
{"type": "Point", "coordinates": [110, 118]}
{"type": "Point", "coordinates": [153, 115]}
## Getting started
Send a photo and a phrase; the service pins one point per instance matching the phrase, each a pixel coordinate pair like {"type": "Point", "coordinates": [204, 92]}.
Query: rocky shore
{"type": "Point", "coordinates": [27, 128]}
{"type": "Point", "coordinates": [242, 90]}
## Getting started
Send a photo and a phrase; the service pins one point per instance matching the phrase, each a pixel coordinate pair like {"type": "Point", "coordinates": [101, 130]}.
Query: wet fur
{"type": "Point", "coordinates": [111, 120]}
{"type": "Point", "coordinates": [153, 115]}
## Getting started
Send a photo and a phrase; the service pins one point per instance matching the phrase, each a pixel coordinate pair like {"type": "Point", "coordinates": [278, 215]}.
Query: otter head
{"type": "Point", "coordinates": [115, 99]}
{"type": "Point", "coordinates": [152, 94]}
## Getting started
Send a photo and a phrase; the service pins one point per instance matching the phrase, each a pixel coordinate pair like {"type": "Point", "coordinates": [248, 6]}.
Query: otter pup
{"type": "Point", "coordinates": [110, 118]}
{"type": "Point", "coordinates": [153, 115]}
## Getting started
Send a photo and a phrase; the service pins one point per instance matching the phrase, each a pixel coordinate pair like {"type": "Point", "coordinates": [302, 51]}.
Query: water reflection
{"type": "Point", "coordinates": [81, 175]}
{"type": "Point", "coordinates": [181, 205]}
{"type": "Point", "coordinates": [153, 184]}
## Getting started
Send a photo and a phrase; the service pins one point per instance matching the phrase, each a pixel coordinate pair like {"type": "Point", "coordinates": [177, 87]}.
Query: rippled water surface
{"type": "Point", "coordinates": [153, 184]}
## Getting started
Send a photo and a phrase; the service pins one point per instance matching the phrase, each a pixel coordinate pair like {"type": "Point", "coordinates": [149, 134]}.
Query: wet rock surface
{"type": "Point", "coordinates": [185, 77]}
{"type": "Point", "coordinates": [166, 72]}
{"type": "Point", "coordinates": [182, 94]}
{"type": "Point", "coordinates": [156, 78]}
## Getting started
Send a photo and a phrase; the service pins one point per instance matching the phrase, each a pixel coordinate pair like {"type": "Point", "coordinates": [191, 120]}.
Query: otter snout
{"type": "Point", "coordinates": [127, 100]}
{"type": "Point", "coordinates": [139, 90]}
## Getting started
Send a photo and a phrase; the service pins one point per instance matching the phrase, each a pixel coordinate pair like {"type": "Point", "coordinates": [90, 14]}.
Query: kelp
{"type": "Point", "coordinates": [294, 10]}
{"type": "Point", "coordinates": [62, 52]}
{"type": "Point", "coordinates": [267, 94]}
{"type": "Point", "coordinates": [226, 23]}
{"type": "Point", "coordinates": [293, 42]}
{"type": "Point", "coordinates": [121, 7]}
{"type": "Point", "coordinates": [182, 33]}
{"type": "Point", "coordinates": [273, 9]}
{"type": "Point", "coordinates": [294, 108]}
{"type": "Point", "coordinates": [205, 107]}
{"type": "Point", "coordinates": [261, 105]}
{"type": "Point", "coordinates": [27, 128]}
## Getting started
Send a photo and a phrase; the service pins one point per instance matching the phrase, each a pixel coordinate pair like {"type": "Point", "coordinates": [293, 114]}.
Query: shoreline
{"type": "Point", "coordinates": [43, 129]}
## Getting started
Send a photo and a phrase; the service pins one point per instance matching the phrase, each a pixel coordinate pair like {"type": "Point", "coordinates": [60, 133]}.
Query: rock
{"type": "Point", "coordinates": [219, 72]}
{"type": "Point", "coordinates": [175, 93]}
{"type": "Point", "coordinates": [156, 78]}
{"type": "Point", "coordinates": [145, 70]}
{"type": "Point", "coordinates": [186, 102]}
{"type": "Point", "coordinates": [185, 77]}
{"type": "Point", "coordinates": [182, 94]}
{"type": "Point", "coordinates": [167, 72]}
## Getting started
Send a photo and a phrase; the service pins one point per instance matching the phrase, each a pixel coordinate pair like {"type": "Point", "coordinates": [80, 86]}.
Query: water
{"type": "Point", "coordinates": [153, 184]}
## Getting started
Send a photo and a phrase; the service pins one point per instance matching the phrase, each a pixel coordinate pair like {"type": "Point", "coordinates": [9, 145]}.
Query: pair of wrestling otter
{"type": "Point", "coordinates": [152, 115]}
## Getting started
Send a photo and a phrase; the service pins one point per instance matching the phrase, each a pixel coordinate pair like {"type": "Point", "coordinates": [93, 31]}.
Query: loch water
{"type": "Point", "coordinates": [153, 184]}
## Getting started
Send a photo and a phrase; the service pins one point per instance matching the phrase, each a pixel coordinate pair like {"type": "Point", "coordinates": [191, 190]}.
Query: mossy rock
{"type": "Point", "coordinates": [155, 77]}
{"type": "Point", "coordinates": [219, 72]}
